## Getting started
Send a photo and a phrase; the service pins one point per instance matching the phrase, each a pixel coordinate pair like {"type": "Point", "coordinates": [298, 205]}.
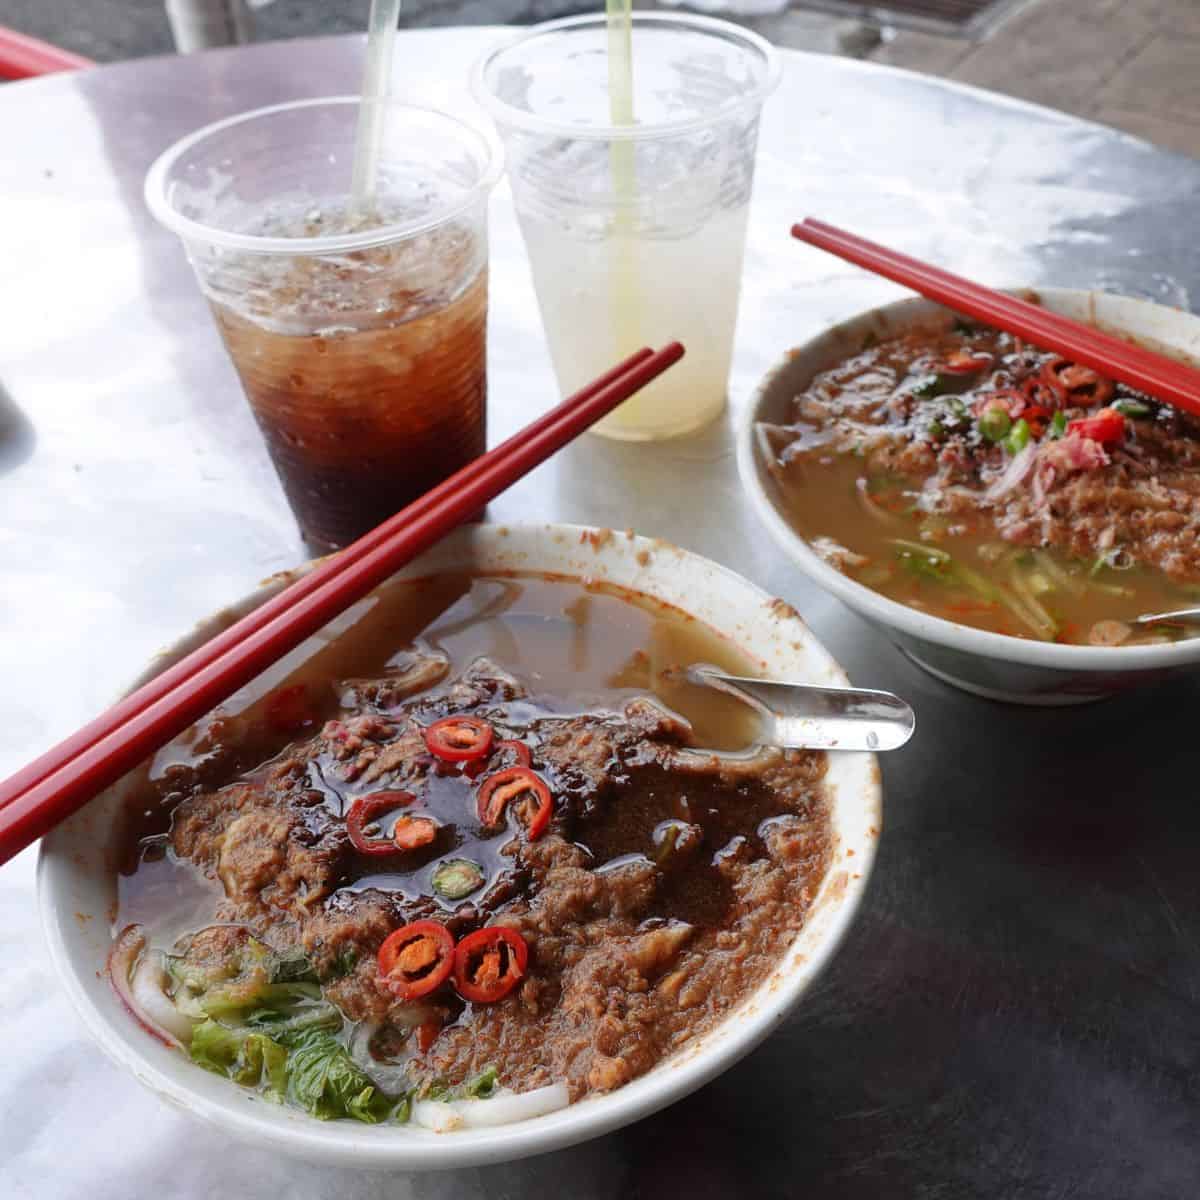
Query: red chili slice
{"type": "Point", "coordinates": [1106, 427]}
{"type": "Point", "coordinates": [366, 809]}
{"type": "Point", "coordinates": [411, 833]}
{"type": "Point", "coordinates": [506, 786]}
{"type": "Point", "coordinates": [1039, 393]}
{"type": "Point", "coordinates": [518, 751]}
{"type": "Point", "coordinates": [459, 739]}
{"type": "Point", "coordinates": [489, 963]}
{"type": "Point", "coordinates": [522, 756]}
{"type": "Point", "coordinates": [1075, 384]}
{"type": "Point", "coordinates": [416, 959]}
{"type": "Point", "coordinates": [964, 362]}
{"type": "Point", "coordinates": [289, 710]}
{"type": "Point", "coordinates": [427, 1034]}
{"type": "Point", "coordinates": [1037, 419]}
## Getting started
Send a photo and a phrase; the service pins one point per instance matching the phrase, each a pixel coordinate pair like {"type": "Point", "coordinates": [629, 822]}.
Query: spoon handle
{"type": "Point", "coordinates": [802, 717]}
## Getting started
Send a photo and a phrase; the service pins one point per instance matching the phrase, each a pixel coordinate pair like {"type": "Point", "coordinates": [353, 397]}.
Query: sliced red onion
{"type": "Point", "coordinates": [1014, 474]}
{"type": "Point", "coordinates": [502, 1107]}
{"type": "Point", "coordinates": [138, 980]}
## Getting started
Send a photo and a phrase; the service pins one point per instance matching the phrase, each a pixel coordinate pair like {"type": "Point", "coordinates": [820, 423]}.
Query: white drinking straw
{"type": "Point", "coordinates": [377, 75]}
{"type": "Point", "coordinates": [624, 296]}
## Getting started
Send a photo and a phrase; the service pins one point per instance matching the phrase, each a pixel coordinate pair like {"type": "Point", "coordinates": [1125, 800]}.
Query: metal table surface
{"type": "Point", "coordinates": [1015, 1013]}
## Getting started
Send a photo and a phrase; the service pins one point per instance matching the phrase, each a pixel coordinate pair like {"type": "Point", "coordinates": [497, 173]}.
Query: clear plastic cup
{"type": "Point", "coordinates": [635, 232]}
{"type": "Point", "coordinates": [360, 340]}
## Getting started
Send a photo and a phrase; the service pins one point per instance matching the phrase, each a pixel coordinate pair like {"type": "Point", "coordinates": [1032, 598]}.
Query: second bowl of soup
{"type": "Point", "coordinates": [1003, 513]}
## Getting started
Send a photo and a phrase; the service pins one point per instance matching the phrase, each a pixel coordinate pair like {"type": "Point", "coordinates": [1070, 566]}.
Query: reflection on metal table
{"type": "Point", "coordinates": [1015, 1010]}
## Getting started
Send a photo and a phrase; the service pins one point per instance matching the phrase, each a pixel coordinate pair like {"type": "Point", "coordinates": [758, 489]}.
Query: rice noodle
{"type": "Point", "coordinates": [503, 1107]}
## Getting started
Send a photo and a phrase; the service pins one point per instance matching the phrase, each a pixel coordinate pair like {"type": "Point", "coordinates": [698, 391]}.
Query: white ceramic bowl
{"type": "Point", "coordinates": [77, 877]}
{"type": "Point", "coordinates": [988, 664]}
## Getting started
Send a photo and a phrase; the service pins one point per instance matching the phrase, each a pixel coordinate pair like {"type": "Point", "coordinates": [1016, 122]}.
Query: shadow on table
{"type": "Point", "coordinates": [17, 436]}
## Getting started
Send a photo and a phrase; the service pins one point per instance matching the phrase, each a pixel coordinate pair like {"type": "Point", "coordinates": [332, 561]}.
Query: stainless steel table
{"type": "Point", "coordinates": [1015, 1014]}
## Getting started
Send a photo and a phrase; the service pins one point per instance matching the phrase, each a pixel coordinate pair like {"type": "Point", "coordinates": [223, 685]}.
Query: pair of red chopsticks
{"type": "Point", "coordinates": [63, 779]}
{"type": "Point", "coordinates": [1164, 378]}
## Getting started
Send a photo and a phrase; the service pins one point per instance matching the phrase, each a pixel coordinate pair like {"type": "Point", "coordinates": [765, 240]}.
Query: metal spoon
{"type": "Point", "coordinates": [801, 717]}
{"type": "Point", "coordinates": [1186, 616]}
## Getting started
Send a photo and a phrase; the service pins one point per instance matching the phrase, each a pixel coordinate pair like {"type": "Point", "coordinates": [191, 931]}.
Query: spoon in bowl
{"type": "Point", "coordinates": [1184, 616]}
{"type": "Point", "coordinates": [801, 717]}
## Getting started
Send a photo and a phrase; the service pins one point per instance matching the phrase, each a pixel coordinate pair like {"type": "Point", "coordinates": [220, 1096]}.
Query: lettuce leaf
{"type": "Point", "coordinates": [215, 1047]}
{"type": "Point", "coordinates": [328, 1083]}
{"type": "Point", "coordinates": [251, 1059]}
{"type": "Point", "coordinates": [262, 1064]}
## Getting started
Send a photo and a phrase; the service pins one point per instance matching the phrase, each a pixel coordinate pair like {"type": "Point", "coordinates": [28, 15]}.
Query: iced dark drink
{"type": "Point", "coordinates": [359, 337]}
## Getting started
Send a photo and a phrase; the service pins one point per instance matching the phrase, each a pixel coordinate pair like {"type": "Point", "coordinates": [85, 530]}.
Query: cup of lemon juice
{"type": "Point", "coordinates": [632, 183]}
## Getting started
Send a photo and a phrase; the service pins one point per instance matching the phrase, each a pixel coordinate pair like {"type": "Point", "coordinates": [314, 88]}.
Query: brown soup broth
{"type": "Point", "coordinates": [885, 470]}
{"type": "Point", "coordinates": [591, 647]}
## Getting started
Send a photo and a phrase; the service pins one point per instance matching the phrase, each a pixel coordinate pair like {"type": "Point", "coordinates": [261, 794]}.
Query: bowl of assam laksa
{"type": "Point", "coordinates": [1001, 513]}
{"type": "Point", "coordinates": [473, 874]}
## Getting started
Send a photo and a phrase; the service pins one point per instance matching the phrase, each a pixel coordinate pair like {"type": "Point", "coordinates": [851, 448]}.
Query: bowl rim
{"type": "Point", "coordinates": [891, 613]}
{"type": "Point", "coordinates": [384, 1147]}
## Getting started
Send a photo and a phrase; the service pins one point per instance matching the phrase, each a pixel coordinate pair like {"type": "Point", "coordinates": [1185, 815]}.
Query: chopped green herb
{"type": "Point", "coordinates": [926, 561]}
{"type": "Point", "coordinates": [482, 1086]}
{"type": "Point", "coordinates": [994, 424]}
{"type": "Point", "coordinates": [935, 430]}
{"type": "Point", "coordinates": [1132, 408]}
{"type": "Point", "coordinates": [922, 549]}
{"type": "Point", "coordinates": [1058, 425]}
{"type": "Point", "coordinates": [925, 387]}
{"type": "Point", "coordinates": [457, 877]}
{"type": "Point", "coordinates": [1018, 437]}
{"type": "Point", "coordinates": [1116, 559]}
{"type": "Point", "coordinates": [957, 408]}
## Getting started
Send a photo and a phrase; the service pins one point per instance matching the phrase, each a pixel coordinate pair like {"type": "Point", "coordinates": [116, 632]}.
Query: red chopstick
{"type": "Point", "coordinates": [325, 570]}
{"type": "Point", "coordinates": [1164, 378]}
{"type": "Point", "coordinates": [63, 779]}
